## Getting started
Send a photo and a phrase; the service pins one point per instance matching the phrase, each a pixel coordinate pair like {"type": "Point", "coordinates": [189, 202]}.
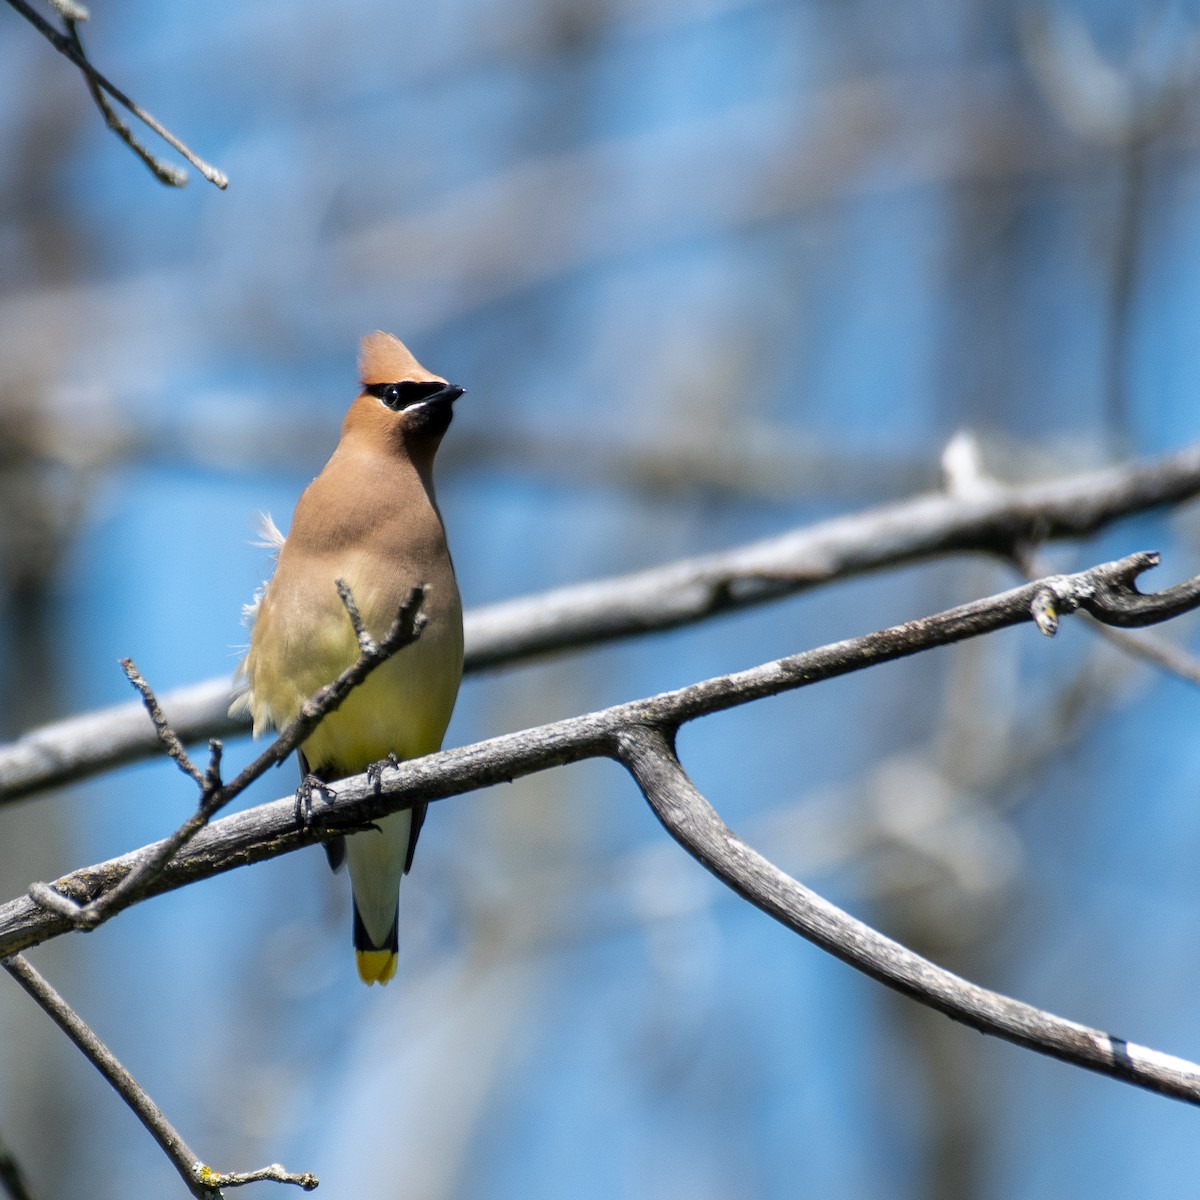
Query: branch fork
{"type": "Point", "coordinates": [70, 45]}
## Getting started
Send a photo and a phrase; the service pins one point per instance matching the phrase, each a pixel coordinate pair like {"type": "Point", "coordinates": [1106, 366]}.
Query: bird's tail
{"type": "Point", "coordinates": [376, 964]}
{"type": "Point", "coordinates": [377, 858]}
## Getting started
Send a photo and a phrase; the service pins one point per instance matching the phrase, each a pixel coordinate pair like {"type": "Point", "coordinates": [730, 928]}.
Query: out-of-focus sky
{"type": "Point", "coordinates": [710, 269]}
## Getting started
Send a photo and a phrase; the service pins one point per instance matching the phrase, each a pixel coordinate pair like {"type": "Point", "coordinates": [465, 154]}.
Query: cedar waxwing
{"type": "Point", "coordinates": [370, 518]}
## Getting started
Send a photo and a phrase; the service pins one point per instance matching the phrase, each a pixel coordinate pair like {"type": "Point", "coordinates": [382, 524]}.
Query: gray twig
{"type": "Point", "coordinates": [165, 172]}
{"type": "Point", "coordinates": [1148, 647]}
{"type": "Point", "coordinates": [167, 737]}
{"type": "Point", "coordinates": [180, 1155]}
{"type": "Point", "coordinates": [212, 773]}
{"type": "Point", "coordinates": [366, 643]}
{"type": "Point", "coordinates": [66, 46]}
{"type": "Point", "coordinates": [201, 1181]}
{"type": "Point", "coordinates": [628, 733]}
{"type": "Point", "coordinates": [214, 795]}
{"type": "Point", "coordinates": [991, 520]}
{"type": "Point", "coordinates": [276, 1173]}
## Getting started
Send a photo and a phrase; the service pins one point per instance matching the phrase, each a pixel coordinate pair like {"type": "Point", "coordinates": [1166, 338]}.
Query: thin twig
{"type": "Point", "coordinates": [366, 643]}
{"type": "Point", "coordinates": [275, 1173]}
{"type": "Point", "coordinates": [1155, 650]}
{"type": "Point", "coordinates": [404, 630]}
{"type": "Point", "coordinates": [1149, 647]}
{"type": "Point", "coordinates": [212, 773]}
{"type": "Point", "coordinates": [165, 172]}
{"type": "Point", "coordinates": [64, 46]}
{"type": "Point", "coordinates": [167, 737]}
{"type": "Point", "coordinates": [988, 520]}
{"type": "Point", "coordinates": [181, 1155]}
{"type": "Point", "coordinates": [202, 1181]}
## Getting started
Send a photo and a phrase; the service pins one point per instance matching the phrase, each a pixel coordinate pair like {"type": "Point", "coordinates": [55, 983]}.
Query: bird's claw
{"type": "Point", "coordinates": [311, 786]}
{"type": "Point", "coordinates": [376, 769]}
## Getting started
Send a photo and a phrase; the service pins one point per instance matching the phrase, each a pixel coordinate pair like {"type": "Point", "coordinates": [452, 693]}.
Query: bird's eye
{"type": "Point", "coordinates": [399, 396]}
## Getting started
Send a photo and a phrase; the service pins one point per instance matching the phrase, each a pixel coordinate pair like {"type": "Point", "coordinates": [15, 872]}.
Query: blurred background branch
{"type": "Point", "coordinates": [12, 1178]}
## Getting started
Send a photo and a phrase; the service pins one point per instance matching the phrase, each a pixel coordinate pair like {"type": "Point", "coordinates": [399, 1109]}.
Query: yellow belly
{"type": "Point", "coordinates": [402, 708]}
{"type": "Point", "coordinates": [302, 642]}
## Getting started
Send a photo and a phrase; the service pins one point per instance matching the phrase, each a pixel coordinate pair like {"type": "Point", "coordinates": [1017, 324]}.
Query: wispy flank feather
{"type": "Point", "coordinates": [270, 538]}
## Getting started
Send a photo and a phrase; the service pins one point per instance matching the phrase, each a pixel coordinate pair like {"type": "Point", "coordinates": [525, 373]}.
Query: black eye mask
{"type": "Point", "coordinates": [399, 396]}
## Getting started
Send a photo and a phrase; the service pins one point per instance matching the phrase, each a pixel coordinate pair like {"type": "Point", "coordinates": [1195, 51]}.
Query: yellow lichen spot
{"type": "Point", "coordinates": [1044, 611]}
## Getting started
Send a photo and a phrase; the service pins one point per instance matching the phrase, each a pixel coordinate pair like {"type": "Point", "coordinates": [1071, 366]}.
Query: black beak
{"type": "Point", "coordinates": [448, 394]}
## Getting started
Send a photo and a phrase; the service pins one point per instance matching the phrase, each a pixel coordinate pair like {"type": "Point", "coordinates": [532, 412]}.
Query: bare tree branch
{"type": "Point", "coordinates": [69, 46]}
{"type": "Point", "coordinates": [991, 520]}
{"type": "Point", "coordinates": [649, 755]}
{"type": "Point", "coordinates": [639, 735]}
{"type": "Point", "coordinates": [203, 1182]}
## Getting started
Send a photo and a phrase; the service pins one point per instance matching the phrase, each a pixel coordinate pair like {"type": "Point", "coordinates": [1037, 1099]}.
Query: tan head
{"type": "Point", "coordinates": [402, 406]}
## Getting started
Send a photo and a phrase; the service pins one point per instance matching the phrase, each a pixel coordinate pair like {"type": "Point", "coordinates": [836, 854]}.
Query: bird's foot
{"type": "Point", "coordinates": [376, 769]}
{"type": "Point", "coordinates": [311, 786]}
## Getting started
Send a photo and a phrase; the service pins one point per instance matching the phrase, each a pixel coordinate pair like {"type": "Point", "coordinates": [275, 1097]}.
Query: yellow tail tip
{"type": "Point", "coordinates": [376, 966]}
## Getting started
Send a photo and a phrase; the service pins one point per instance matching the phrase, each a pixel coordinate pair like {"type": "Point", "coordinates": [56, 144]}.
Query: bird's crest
{"type": "Point", "coordinates": [383, 358]}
